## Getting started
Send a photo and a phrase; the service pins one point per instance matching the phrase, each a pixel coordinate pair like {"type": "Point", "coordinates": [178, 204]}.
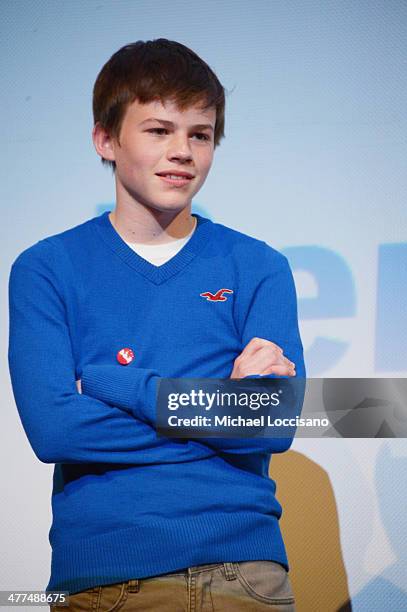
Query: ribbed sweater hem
{"type": "Point", "coordinates": [154, 549]}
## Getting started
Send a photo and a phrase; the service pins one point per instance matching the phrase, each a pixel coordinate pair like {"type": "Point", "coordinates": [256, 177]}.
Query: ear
{"type": "Point", "coordinates": [103, 142]}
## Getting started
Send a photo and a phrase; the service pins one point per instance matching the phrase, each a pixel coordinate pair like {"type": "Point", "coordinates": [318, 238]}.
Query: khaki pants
{"type": "Point", "coordinates": [247, 586]}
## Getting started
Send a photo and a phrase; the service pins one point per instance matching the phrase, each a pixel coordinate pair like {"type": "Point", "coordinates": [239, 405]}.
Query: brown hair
{"type": "Point", "coordinates": [156, 69]}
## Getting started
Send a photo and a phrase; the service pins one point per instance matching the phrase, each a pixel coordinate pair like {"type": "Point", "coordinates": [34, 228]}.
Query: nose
{"type": "Point", "coordinates": [179, 148]}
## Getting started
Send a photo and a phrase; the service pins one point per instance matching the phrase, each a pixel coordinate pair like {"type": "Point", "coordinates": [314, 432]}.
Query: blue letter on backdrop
{"type": "Point", "coordinates": [391, 315]}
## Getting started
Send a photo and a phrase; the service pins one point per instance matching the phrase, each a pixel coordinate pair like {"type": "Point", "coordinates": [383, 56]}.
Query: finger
{"type": "Point", "coordinates": [262, 362]}
{"type": "Point", "coordinates": [279, 370]}
{"type": "Point", "coordinates": [256, 344]}
{"type": "Point", "coordinates": [263, 359]}
{"type": "Point", "coordinates": [270, 356]}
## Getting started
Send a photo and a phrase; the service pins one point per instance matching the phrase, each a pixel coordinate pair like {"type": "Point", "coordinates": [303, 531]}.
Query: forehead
{"type": "Point", "coordinates": [169, 111]}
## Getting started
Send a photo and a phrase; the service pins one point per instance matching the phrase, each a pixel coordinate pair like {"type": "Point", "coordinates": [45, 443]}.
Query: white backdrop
{"type": "Point", "coordinates": [313, 162]}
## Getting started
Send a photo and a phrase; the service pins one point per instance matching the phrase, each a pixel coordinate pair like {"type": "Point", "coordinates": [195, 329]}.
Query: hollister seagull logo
{"type": "Point", "coordinates": [217, 297]}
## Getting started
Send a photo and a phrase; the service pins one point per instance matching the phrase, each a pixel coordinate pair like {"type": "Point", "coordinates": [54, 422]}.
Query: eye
{"type": "Point", "coordinates": [156, 130]}
{"type": "Point", "coordinates": [205, 136]}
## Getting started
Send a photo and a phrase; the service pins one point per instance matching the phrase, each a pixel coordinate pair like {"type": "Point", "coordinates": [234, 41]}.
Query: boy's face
{"type": "Point", "coordinates": [148, 146]}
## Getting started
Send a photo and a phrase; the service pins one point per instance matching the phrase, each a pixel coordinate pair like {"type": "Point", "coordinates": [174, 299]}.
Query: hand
{"type": "Point", "coordinates": [79, 386]}
{"type": "Point", "coordinates": [262, 357]}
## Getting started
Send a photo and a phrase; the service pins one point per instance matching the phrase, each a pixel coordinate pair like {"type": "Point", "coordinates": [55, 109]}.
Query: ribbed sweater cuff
{"type": "Point", "coordinates": [133, 389]}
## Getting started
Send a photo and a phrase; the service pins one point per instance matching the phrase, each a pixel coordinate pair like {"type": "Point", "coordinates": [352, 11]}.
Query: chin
{"type": "Point", "coordinates": [173, 207]}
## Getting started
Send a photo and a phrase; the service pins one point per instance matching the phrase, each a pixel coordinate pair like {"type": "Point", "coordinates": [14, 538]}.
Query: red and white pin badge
{"type": "Point", "coordinates": [125, 356]}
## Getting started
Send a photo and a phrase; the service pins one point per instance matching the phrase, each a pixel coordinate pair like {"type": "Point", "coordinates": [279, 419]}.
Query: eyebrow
{"type": "Point", "coordinates": [199, 126]}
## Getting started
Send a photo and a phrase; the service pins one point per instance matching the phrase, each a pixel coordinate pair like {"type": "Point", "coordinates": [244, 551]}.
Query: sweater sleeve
{"type": "Point", "coordinates": [62, 425]}
{"type": "Point", "coordinates": [271, 311]}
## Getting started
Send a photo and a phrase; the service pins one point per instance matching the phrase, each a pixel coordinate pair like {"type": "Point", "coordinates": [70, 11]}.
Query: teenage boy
{"type": "Point", "coordinates": [106, 308]}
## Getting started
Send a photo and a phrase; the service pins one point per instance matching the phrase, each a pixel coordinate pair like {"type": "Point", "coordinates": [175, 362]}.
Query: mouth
{"type": "Point", "coordinates": [172, 179]}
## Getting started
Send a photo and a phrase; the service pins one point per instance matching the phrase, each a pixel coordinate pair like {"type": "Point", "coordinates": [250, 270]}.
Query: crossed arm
{"type": "Point", "coordinates": [260, 357]}
{"type": "Point", "coordinates": [112, 420]}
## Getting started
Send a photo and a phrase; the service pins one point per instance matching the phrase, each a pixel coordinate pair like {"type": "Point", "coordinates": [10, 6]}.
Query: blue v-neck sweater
{"type": "Point", "coordinates": [127, 504]}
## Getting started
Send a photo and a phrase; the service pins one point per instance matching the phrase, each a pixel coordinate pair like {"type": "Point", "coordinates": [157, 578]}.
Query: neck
{"type": "Point", "coordinates": [137, 223]}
